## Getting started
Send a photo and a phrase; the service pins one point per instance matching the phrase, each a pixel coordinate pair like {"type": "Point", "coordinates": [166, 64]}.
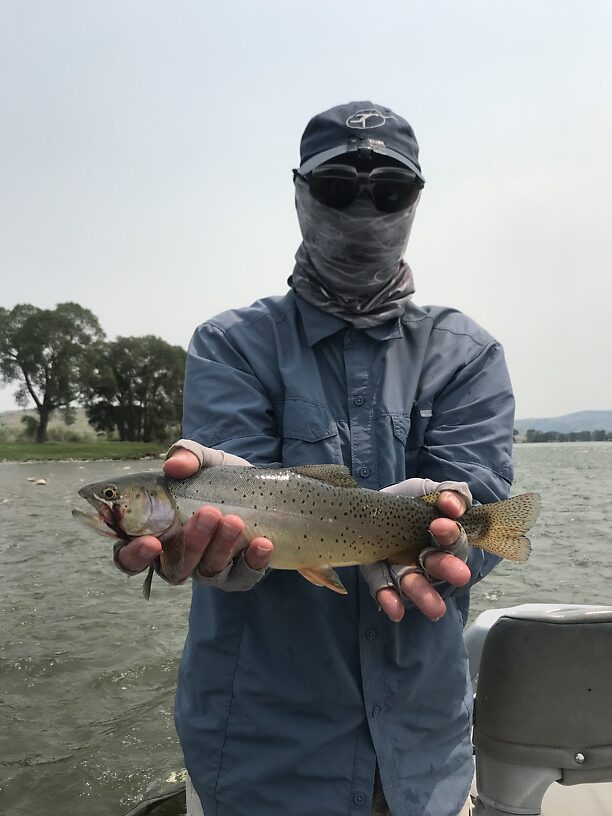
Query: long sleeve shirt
{"type": "Point", "coordinates": [289, 694]}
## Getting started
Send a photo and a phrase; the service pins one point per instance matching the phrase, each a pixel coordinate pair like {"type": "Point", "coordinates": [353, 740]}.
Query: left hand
{"type": "Point", "coordinates": [442, 566]}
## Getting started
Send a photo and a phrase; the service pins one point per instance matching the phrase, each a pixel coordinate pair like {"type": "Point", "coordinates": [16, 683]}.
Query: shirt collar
{"type": "Point", "coordinates": [319, 324]}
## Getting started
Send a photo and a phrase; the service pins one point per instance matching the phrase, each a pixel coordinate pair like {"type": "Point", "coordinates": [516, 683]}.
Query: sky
{"type": "Point", "coordinates": [146, 150]}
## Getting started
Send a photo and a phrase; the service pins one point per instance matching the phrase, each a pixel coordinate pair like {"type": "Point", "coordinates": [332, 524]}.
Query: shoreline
{"type": "Point", "coordinates": [22, 452]}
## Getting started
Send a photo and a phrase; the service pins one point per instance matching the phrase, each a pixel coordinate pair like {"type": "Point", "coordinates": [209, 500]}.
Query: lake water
{"type": "Point", "coordinates": [88, 668]}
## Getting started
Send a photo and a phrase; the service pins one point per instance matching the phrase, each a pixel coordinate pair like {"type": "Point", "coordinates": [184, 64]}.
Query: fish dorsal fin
{"type": "Point", "coordinates": [336, 475]}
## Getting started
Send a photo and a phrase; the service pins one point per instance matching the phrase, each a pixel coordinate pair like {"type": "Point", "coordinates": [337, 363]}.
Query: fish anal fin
{"type": "Point", "coordinates": [336, 475]}
{"type": "Point", "coordinates": [324, 576]}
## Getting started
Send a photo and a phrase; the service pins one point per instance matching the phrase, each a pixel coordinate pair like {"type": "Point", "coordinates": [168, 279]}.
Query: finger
{"type": "Point", "coordinates": [451, 504]}
{"type": "Point", "coordinates": [445, 531]}
{"type": "Point", "coordinates": [181, 464]}
{"type": "Point", "coordinates": [214, 538]}
{"type": "Point", "coordinates": [258, 553]}
{"type": "Point", "coordinates": [418, 589]}
{"type": "Point", "coordinates": [445, 567]}
{"type": "Point", "coordinates": [139, 554]}
{"type": "Point", "coordinates": [391, 604]}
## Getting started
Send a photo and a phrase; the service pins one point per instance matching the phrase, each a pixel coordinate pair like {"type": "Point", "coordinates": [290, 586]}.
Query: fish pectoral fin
{"type": "Point", "coordinates": [171, 558]}
{"type": "Point", "coordinates": [403, 557]}
{"type": "Point", "coordinates": [336, 475]}
{"type": "Point", "coordinates": [324, 576]}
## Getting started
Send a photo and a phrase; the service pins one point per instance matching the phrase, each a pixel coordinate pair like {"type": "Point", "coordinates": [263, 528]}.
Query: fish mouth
{"type": "Point", "coordinates": [104, 516]}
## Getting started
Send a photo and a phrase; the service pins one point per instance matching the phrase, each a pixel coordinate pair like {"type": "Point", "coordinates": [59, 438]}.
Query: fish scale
{"type": "Point", "coordinates": [308, 520]}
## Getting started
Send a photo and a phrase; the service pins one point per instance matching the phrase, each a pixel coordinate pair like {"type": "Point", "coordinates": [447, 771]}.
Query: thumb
{"type": "Point", "coordinates": [181, 464]}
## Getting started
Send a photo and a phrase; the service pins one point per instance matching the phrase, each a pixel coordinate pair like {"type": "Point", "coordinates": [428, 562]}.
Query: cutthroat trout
{"type": "Point", "coordinates": [315, 515]}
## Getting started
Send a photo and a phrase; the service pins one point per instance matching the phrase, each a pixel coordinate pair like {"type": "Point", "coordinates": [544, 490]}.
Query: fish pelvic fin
{"type": "Point", "coordinates": [336, 475]}
{"type": "Point", "coordinates": [146, 587]}
{"type": "Point", "coordinates": [500, 527]}
{"type": "Point", "coordinates": [324, 576]}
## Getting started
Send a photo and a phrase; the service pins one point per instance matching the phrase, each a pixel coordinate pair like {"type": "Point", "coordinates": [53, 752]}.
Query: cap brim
{"type": "Point", "coordinates": [314, 161]}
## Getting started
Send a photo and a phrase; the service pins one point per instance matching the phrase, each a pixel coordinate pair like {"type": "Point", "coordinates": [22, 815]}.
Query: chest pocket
{"type": "Point", "coordinates": [309, 434]}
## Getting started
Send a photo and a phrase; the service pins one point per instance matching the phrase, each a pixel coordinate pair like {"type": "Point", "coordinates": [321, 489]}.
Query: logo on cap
{"type": "Point", "coordinates": [363, 119]}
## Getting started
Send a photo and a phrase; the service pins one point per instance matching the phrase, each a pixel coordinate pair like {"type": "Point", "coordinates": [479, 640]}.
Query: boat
{"type": "Point", "coordinates": [542, 729]}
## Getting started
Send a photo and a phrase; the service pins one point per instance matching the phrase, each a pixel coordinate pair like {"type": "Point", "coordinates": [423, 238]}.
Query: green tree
{"type": "Point", "coordinates": [46, 352]}
{"type": "Point", "coordinates": [136, 387]}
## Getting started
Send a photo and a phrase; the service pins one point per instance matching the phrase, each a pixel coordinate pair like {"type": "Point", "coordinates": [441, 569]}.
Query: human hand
{"type": "Point", "coordinates": [386, 581]}
{"type": "Point", "coordinates": [212, 541]}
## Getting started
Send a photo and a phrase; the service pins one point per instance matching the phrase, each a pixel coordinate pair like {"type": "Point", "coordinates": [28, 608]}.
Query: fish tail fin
{"type": "Point", "coordinates": [500, 527]}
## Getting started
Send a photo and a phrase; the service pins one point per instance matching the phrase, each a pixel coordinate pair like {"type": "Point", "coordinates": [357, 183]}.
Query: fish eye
{"type": "Point", "coordinates": [110, 492]}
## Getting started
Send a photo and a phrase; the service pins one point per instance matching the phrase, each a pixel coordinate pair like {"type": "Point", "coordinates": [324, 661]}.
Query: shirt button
{"type": "Point", "coordinates": [359, 798]}
{"type": "Point", "coordinates": [364, 472]}
{"type": "Point", "coordinates": [358, 400]}
{"type": "Point", "coordinates": [376, 710]}
{"type": "Point", "coordinates": [371, 634]}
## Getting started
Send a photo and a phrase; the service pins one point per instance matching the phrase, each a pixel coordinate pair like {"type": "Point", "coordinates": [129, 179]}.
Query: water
{"type": "Point", "coordinates": [88, 668]}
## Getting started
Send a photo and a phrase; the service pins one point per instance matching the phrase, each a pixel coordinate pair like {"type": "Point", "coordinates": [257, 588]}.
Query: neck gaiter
{"type": "Point", "coordinates": [350, 261]}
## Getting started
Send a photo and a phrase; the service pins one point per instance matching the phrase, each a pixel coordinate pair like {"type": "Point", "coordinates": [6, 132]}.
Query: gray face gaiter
{"type": "Point", "coordinates": [350, 261]}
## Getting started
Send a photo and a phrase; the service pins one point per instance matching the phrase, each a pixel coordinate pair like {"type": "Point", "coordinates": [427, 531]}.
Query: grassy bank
{"type": "Point", "coordinates": [29, 451]}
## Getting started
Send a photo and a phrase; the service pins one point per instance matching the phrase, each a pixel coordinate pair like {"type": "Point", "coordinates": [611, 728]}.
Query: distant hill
{"type": "Point", "coordinates": [580, 421]}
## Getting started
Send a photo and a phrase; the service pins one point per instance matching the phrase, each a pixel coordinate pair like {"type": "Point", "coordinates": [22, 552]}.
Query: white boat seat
{"type": "Point", "coordinates": [543, 706]}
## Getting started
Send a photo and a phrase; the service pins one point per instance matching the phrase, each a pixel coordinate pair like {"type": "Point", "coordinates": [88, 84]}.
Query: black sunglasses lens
{"type": "Point", "coordinates": [393, 191]}
{"type": "Point", "coordinates": [335, 187]}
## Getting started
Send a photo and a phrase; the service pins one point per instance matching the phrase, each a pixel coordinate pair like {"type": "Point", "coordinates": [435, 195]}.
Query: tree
{"type": "Point", "coordinates": [46, 352]}
{"type": "Point", "coordinates": [136, 387]}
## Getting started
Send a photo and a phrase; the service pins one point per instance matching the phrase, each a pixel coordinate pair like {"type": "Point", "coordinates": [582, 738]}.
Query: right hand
{"type": "Point", "coordinates": [212, 540]}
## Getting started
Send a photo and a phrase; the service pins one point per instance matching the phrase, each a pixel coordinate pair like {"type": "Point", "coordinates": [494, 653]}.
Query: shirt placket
{"type": "Point", "coordinates": [358, 353]}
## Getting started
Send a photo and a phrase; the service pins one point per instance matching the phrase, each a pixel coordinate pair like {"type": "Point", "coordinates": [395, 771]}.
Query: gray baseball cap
{"type": "Point", "coordinates": [358, 126]}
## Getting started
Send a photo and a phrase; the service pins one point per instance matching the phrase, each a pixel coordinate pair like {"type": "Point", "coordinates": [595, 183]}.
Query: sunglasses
{"type": "Point", "coordinates": [337, 185]}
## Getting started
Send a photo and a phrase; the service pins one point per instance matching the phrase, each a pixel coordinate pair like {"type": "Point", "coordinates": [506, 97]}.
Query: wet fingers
{"type": "Point", "coordinates": [418, 589]}
{"type": "Point", "coordinates": [258, 553]}
{"type": "Point", "coordinates": [139, 554]}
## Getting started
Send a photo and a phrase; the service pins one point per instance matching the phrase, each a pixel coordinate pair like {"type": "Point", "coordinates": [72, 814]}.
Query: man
{"type": "Point", "coordinates": [294, 700]}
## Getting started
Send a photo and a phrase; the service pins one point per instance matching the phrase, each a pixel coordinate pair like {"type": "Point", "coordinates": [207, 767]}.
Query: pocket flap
{"type": "Point", "coordinates": [308, 421]}
{"type": "Point", "coordinates": [401, 426]}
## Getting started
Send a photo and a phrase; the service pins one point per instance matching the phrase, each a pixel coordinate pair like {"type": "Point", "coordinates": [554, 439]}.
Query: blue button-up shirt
{"type": "Point", "coordinates": [289, 694]}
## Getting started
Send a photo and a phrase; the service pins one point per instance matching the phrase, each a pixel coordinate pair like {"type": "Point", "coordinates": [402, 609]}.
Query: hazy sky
{"type": "Point", "coordinates": [146, 150]}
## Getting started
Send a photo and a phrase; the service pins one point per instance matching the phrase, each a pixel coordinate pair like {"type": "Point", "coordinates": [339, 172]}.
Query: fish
{"type": "Point", "coordinates": [316, 516]}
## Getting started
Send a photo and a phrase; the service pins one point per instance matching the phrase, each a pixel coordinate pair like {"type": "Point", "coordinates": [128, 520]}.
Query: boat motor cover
{"type": "Point", "coordinates": [544, 695]}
